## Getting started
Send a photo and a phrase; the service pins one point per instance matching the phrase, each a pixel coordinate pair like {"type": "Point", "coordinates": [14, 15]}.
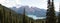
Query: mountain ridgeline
{"type": "Point", "coordinates": [31, 11]}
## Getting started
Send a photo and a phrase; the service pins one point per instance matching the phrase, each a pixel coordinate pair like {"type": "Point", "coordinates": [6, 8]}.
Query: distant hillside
{"type": "Point", "coordinates": [8, 16]}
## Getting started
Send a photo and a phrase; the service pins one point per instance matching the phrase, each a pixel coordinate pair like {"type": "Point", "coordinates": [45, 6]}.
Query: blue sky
{"type": "Point", "coordinates": [36, 3]}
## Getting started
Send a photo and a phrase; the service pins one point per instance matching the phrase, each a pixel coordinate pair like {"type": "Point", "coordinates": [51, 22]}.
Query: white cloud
{"type": "Point", "coordinates": [56, 6]}
{"type": "Point", "coordinates": [38, 3]}
{"type": "Point", "coordinates": [9, 3]}
{"type": "Point", "coordinates": [2, 1]}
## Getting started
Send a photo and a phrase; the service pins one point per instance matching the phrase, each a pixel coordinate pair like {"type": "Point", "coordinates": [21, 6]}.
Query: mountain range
{"type": "Point", "coordinates": [31, 11]}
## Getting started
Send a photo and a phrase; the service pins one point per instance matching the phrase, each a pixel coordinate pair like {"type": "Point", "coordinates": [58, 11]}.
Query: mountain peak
{"type": "Point", "coordinates": [31, 11]}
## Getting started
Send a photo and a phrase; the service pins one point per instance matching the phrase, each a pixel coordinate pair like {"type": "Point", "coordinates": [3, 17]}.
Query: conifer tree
{"type": "Point", "coordinates": [51, 18]}
{"type": "Point", "coordinates": [59, 15]}
{"type": "Point", "coordinates": [1, 15]}
{"type": "Point", "coordinates": [3, 12]}
{"type": "Point", "coordinates": [24, 16]}
{"type": "Point", "coordinates": [10, 21]}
